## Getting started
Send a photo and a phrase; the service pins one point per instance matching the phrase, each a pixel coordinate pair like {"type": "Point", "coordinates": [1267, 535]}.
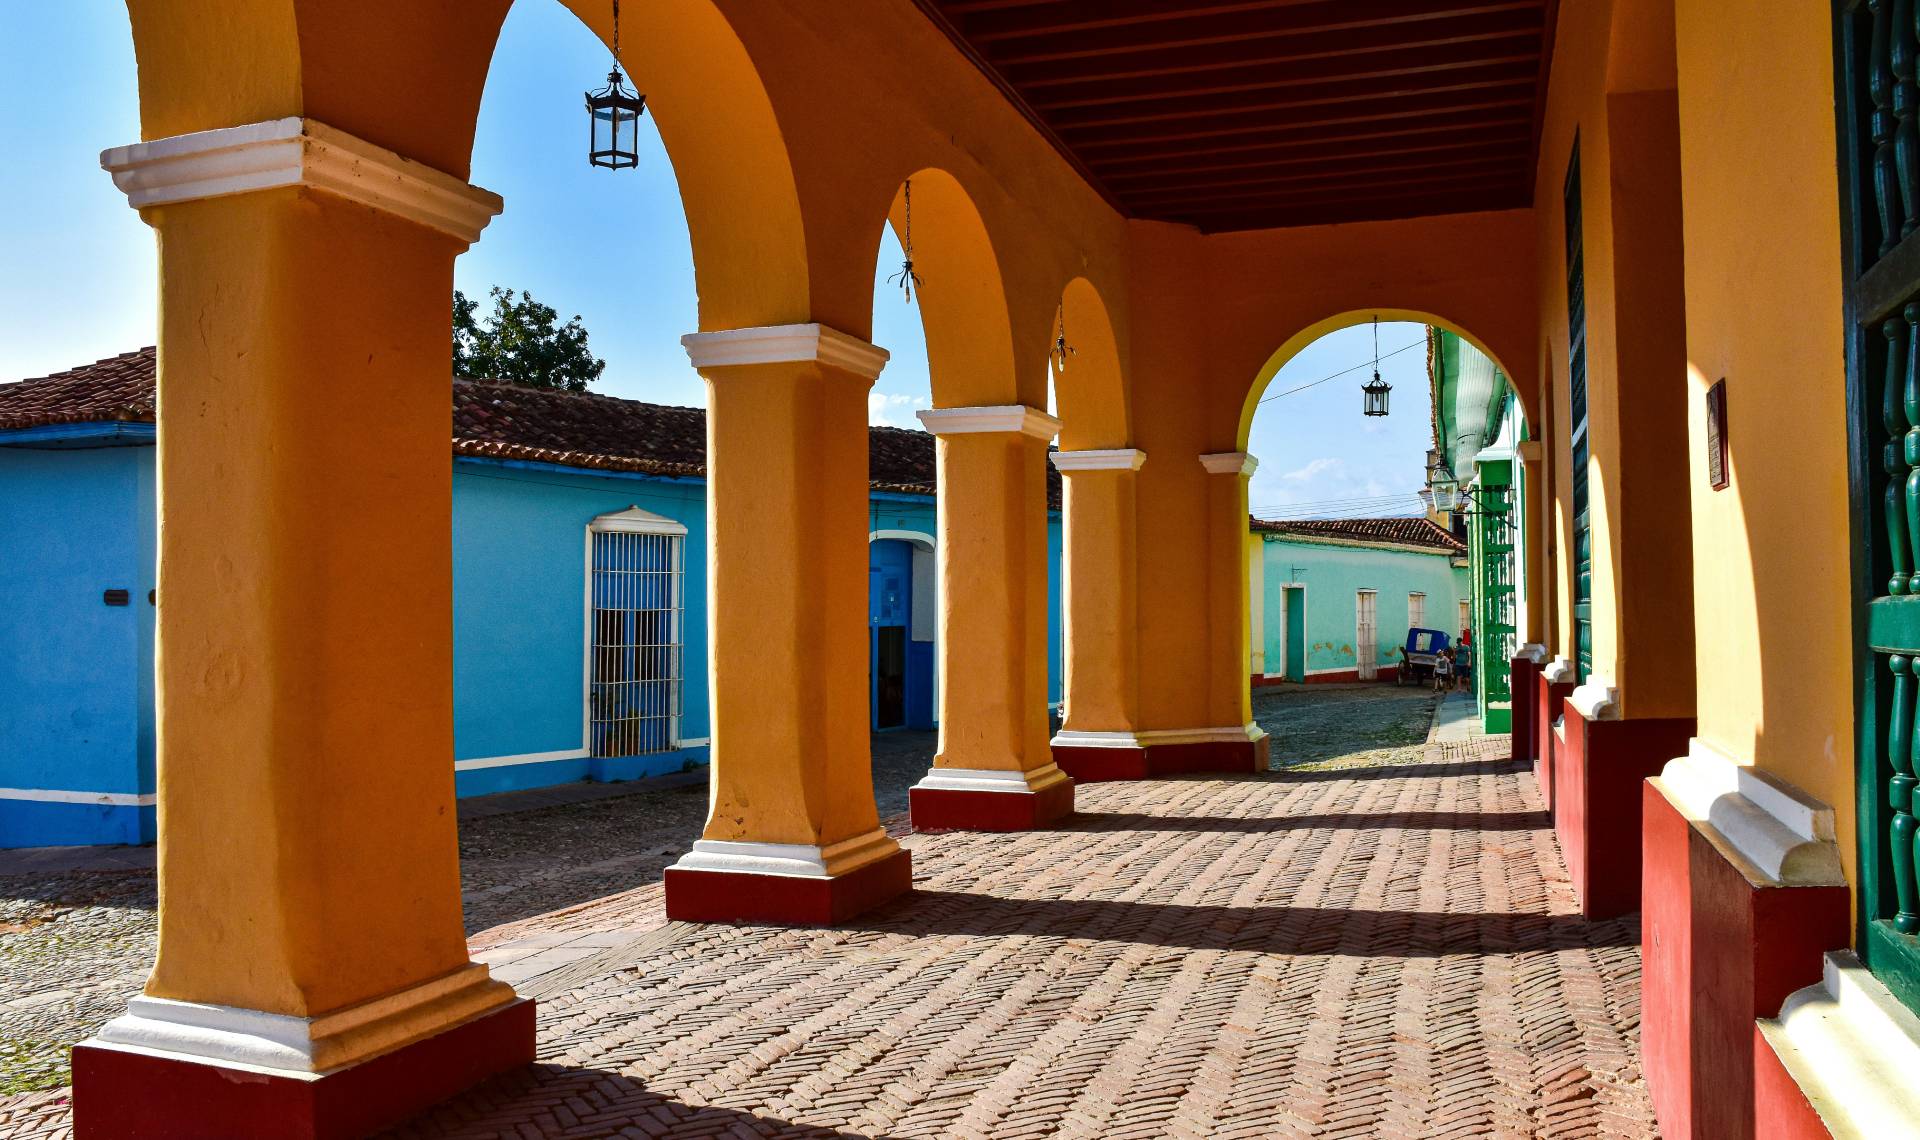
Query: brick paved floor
{"type": "Point", "coordinates": [1382, 949]}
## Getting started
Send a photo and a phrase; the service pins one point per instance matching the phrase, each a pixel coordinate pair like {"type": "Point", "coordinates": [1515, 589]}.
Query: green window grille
{"type": "Point", "coordinates": [1492, 537]}
{"type": "Point", "coordinates": [1876, 42]}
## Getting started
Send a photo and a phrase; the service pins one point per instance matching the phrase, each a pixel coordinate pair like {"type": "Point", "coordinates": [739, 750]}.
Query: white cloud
{"type": "Point", "coordinates": [1318, 466]}
{"type": "Point", "coordinates": [891, 409]}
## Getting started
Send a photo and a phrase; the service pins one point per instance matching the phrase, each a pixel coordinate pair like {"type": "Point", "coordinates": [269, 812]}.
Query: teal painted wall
{"type": "Point", "coordinates": [1333, 575]}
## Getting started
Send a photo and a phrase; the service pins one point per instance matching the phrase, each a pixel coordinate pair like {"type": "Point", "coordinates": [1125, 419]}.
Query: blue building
{"type": "Point", "coordinates": [579, 594]}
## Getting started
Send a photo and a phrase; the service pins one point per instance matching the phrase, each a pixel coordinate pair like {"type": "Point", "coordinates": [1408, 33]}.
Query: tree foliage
{"type": "Point", "coordinates": [522, 342]}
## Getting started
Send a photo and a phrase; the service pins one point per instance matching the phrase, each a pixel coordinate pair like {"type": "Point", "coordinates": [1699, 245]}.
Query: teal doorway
{"type": "Point", "coordinates": [1296, 606]}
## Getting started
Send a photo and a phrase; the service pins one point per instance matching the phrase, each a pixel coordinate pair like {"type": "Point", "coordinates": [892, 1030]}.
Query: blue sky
{"type": "Point", "coordinates": [77, 267]}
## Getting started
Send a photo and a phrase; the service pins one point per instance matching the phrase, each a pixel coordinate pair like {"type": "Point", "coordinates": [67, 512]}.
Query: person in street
{"type": "Point", "coordinates": [1443, 670]}
{"type": "Point", "coordinates": [1465, 670]}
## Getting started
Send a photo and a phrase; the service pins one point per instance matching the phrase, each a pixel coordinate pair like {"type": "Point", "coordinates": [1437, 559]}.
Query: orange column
{"type": "Point", "coordinates": [994, 770]}
{"type": "Point", "coordinates": [312, 961]}
{"type": "Point", "coordinates": [1099, 739]}
{"type": "Point", "coordinates": [793, 835]}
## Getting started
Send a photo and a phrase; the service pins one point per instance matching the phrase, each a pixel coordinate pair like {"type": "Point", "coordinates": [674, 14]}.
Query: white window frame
{"type": "Point", "coordinates": [1421, 621]}
{"type": "Point", "coordinates": [633, 520]}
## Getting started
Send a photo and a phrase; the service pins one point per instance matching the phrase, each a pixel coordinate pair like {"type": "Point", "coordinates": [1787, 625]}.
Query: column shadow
{"type": "Point", "coordinates": [1407, 820]}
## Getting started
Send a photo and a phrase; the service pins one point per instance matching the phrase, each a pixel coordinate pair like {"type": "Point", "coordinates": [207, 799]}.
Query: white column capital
{"type": "Point", "coordinates": [1113, 459]}
{"type": "Point", "coordinates": [1001, 417]}
{"type": "Point", "coordinates": [1229, 463]}
{"type": "Point", "coordinates": [785, 344]}
{"type": "Point", "coordinates": [298, 152]}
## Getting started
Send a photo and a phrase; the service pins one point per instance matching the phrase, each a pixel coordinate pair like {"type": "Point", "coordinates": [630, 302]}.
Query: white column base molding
{"type": "Point", "coordinates": [1853, 1049]}
{"type": "Point", "coordinates": [1559, 671]}
{"type": "Point", "coordinates": [1229, 463]}
{"type": "Point", "coordinates": [1243, 734]}
{"type": "Point", "coordinates": [1533, 651]}
{"type": "Point", "coordinates": [991, 779]}
{"type": "Point", "coordinates": [793, 860]}
{"type": "Point", "coordinates": [1001, 417]}
{"type": "Point", "coordinates": [1778, 832]}
{"type": "Point", "coordinates": [1115, 459]}
{"type": "Point", "coordinates": [303, 1046]}
{"type": "Point", "coordinates": [785, 344]}
{"type": "Point", "coordinates": [1075, 738]}
{"type": "Point", "coordinates": [1597, 699]}
{"type": "Point", "coordinates": [298, 152]}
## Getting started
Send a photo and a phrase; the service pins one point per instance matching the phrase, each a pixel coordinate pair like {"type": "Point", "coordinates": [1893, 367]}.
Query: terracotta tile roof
{"type": "Point", "coordinates": [491, 420]}
{"type": "Point", "coordinates": [1401, 531]}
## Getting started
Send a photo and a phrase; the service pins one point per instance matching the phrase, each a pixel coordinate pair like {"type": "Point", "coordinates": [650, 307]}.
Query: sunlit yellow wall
{"type": "Point", "coordinates": [1763, 311]}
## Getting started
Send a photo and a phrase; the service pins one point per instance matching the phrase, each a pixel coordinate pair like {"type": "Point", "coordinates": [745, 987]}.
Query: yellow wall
{"type": "Point", "coordinates": [1772, 597]}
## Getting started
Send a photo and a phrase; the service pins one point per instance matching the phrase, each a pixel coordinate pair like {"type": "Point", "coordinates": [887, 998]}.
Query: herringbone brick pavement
{"type": "Point", "coordinates": [1387, 952]}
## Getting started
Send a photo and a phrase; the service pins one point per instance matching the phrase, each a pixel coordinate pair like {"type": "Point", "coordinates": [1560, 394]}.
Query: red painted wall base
{"type": "Point", "coordinates": [1098, 765]}
{"type": "Point", "coordinates": [1717, 951]}
{"type": "Point", "coordinates": [1546, 711]}
{"type": "Point", "coordinates": [1524, 679]}
{"type": "Point", "coordinates": [1781, 1110]}
{"type": "Point", "coordinates": [785, 900]}
{"type": "Point", "coordinates": [943, 809]}
{"type": "Point", "coordinates": [119, 1093]}
{"type": "Point", "coordinates": [1596, 802]}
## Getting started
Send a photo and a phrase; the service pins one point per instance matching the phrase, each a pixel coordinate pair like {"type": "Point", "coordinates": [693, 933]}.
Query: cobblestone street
{"type": "Point", "coordinates": [1376, 939]}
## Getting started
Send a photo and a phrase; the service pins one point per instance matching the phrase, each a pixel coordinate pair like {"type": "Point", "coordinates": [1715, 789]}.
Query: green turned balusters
{"type": "Point", "coordinates": [1900, 794]}
{"type": "Point", "coordinates": [1910, 451]}
{"type": "Point", "coordinates": [1886, 195]}
{"type": "Point", "coordinates": [1906, 132]}
{"type": "Point", "coordinates": [1903, 483]}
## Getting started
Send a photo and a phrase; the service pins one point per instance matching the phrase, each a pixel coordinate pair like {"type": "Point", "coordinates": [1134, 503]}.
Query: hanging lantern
{"type": "Point", "coordinates": [613, 115]}
{"type": "Point", "coordinates": [1061, 349]}
{"type": "Point", "coordinates": [1373, 395]}
{"type": "Point", "coordinates": [906, 279]}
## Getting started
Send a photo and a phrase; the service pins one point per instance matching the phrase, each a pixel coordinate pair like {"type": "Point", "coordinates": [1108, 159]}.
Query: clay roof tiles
{"type": "Point", "coordinates": [1400, 531]}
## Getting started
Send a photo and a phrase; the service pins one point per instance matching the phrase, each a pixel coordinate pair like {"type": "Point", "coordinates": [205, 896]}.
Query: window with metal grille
{"type": "Point", "coordinates": [635, 677]}
{"type": "Point", "coordinates": [1577, 418]}
{"type": "Point", "coordinates": [1416, 611]}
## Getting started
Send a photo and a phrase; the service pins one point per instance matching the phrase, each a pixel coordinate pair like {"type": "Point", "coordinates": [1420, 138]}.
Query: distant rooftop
{"type": "Point", "coordinates": [1399, 531]}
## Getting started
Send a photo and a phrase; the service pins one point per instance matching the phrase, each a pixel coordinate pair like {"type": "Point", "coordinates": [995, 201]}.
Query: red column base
{"type": "Point", "coordinates": [1546, 711]}
{"type": "Point", "coordinates": [1208, 756]}
{"type": "Point", "coordinates": [1718, 951]}
{"type": "Point", "coordinates": [785, 900]}
{"type": "Point", "coordinates": [1780, 1107]}
{"type": "Point", "coordinates": [121, 1093]}
{"type": "Point", "coordinates": [1524, 680]}
{"type": "Point", "coordinates": [1597, 802]}
{"type": "Point", "coordinates": [945, 809]}
{"type": "Point", "coordinates": [1095, 765]}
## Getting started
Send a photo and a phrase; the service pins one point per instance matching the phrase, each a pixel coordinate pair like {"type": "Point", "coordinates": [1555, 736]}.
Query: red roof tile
{"type": "Point", "coordinates": [491, 420]}
{"type": "Point", "coordinates": [1401, 531]}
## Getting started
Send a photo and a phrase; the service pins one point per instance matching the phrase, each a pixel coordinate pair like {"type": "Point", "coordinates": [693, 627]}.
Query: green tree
{"type": "Point", "coordinates": [522, 342]}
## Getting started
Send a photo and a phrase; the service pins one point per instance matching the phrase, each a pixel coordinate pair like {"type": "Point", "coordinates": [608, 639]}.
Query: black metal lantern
{"type": "Point", "coordinates": [613, 115]}
{"type": "Point", "coordinates": [1373, 395]}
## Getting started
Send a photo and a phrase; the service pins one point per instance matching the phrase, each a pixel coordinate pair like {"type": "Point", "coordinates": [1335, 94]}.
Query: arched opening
{"type": "Point", "coordinates": [1088, 378]}
{"type": "Point", "coordinates": [904, 625]}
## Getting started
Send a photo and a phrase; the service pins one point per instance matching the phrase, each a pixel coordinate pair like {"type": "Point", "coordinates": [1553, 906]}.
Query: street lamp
{"type": "Point", "coordinates": [1373, 395]}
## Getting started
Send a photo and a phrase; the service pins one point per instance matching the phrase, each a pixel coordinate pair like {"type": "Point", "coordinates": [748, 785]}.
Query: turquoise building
{"type": "Point", "coordinates": [1333, 599]}
{"type": "Point", "coordinates": [578, 536]}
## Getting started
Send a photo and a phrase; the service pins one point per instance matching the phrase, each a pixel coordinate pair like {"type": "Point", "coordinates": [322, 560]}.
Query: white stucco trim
{"type": "Point", "coordinates": [100, 799]}
{"type": "Point", "coordinates": [1785, 834]}
{"type": "Point", "coordinates": [1597, 699]}
{"type": "Point", "coordinates": [1110, 459]}
{"type": "Point", "coordinates": [1233, 735]}
{"type": "Point", "coordinates": [918, 538]}
{"type": "Point", "coordinates": [1074, 738]}
{"type": "Point", "coordinates": [1229, 463]}
{"type": "Point", "coordinates": [1853, 1048]}
{"type": "Point", "coordinates": [635, 520]}
{"type": "Point", "coordinates": [524, 758]}
{"type": "Point", "coordinates": [793, 860]}
{"type": "Point", "coordinates": [696, 742]}
{"type": "Point", "coordinates": [1533, 651]}
{"type": "Point", "coordinates": [784, 344]}
{"type": "Point", "coordinates": [1001, 417]}
{"type": "Point", "coordinates": [1559, 671]}
{"type": "Point", "coordinates": [303, 1046]}
{"type": "Point", "coordinates": [298, 152]}
{"type": "Point", "coordinates": [990, 780]}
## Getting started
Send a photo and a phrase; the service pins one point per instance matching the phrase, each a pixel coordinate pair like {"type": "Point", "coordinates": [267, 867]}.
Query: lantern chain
{"type": "Point", "coordinates": [906, 279]}
{"type": "Point", "coordinates": [1061, 349]}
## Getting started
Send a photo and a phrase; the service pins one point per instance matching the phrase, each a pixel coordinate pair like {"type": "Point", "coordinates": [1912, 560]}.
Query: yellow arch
{"type": "Point", "coordinates": [1091, 389]}
{"type": "Point", "coordinates": [962, 297]}
{"type": "Point", "coordinates": [1300, 340]}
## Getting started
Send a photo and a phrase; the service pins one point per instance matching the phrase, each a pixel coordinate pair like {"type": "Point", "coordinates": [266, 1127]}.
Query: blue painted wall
{"type": "Point", "coordinates": [76, 676]}
{"type": "Point", "coordinates": [1333, 575]}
